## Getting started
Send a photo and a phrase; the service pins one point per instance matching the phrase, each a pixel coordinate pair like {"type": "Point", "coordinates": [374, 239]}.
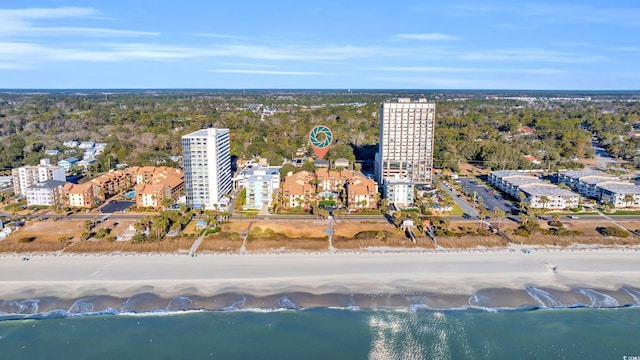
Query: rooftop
{"type": "Point", "coordinates": [48, 184]}
{"type": "Point", "coordinates": [522, 180]}
{"type": "Point", "coordinates": [576, 174]}
{"type": "Point", "coordinates": [505, 173]}
{"type": "Point", "coordinates": [398, 181]}
{"type": "Point", "coordinates": [620, 187]}
{"type": "Point", "coordinates": [546, 190]}
{"type": "Point", "coordinates": [205, 133]}
{"type": "Point", "coordinates": [595, 179]}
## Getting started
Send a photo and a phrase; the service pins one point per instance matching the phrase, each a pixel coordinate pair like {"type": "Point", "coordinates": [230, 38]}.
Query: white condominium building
{"type": "Point", "coordinates": [406, 141]}
{"type": "Point", "coordinates": [207, 168]}
{"type": "Point", "coordinates": [28, 175]}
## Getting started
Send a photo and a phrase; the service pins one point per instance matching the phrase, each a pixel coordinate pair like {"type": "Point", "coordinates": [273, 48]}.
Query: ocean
{"type": "Point", "coordinates": [145, 326]}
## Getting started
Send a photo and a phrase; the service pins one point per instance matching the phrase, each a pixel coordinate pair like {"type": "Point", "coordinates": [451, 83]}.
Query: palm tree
{"type": "Point", "coordinates": [499, 214]}
{"type": "Point", "coordinates": [523, 206]}
{"type": "Point", "coordinates": [397, 218]}
{"type": "Point", "coordinates": [628, 200]}
{"type": "Point", "coordinates": [544, 200]}
{"type": "Point", "coordinates": [87, 225]}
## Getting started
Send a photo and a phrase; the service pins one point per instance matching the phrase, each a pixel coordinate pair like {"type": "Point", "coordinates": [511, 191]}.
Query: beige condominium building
{"type": "Point", "coordinates": [406, 141]}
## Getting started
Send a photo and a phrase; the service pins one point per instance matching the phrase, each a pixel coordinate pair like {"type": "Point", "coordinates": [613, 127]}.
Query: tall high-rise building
{"type": "Point", "coordinates": [207, 167]}
{"type": "Point", "coordinates": [405, 147]}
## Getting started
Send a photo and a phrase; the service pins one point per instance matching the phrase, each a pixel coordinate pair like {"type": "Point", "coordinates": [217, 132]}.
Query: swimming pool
{"type": "Point", "coordinates": [130, 194]}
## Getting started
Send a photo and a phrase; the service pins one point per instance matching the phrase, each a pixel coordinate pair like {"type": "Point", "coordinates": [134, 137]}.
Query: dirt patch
{"type": "Point", "coordinates": [47, 236]}
{"type": "Point", "coordinates": [221, 242]}
{"type": "Point", "coordinates": [587, 228]}
{"type": "Point", "coordinates": [49, 230]}
{"type": "Point", "coordinates": [308, 228]}
{"type": "Point", "coordinates": [631, 225]}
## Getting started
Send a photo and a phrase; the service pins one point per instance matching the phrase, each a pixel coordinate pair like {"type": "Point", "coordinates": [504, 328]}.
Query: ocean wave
{"type": "Point", "coordinates": [485, 300]}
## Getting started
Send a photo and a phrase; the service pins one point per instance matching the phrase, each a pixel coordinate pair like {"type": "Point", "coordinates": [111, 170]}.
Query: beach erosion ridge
{"type": "Point", "coordinates": [45, 285]}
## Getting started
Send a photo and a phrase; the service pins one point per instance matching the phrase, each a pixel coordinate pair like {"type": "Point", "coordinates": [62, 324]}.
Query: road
{"type": "Point", "coordinates": [602, 156]}
{"type": "Point", "coordinates": [468, 209]}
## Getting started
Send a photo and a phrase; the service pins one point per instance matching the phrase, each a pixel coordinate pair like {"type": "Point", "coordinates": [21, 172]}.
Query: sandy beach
{"type": "Point", "coordinates": [454, 272]}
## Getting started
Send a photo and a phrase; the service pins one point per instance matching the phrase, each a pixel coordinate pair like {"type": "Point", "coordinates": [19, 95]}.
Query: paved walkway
{"type": "Point", "coordinates": [196, 244]}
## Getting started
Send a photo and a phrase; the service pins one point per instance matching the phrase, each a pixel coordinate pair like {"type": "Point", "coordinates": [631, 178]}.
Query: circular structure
{"type": "Point", "coordinates": [321, 141]}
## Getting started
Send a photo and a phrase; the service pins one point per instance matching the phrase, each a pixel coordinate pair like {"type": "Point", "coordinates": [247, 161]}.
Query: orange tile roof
{"type": "Point", "coordinates": [297, 183]}
{"type": "Point", "coordinates": [77, 188]}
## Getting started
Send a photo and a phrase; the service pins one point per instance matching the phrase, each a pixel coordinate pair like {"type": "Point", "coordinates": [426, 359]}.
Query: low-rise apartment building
{"type": "Point", "coordinates": [549, 196]}
{"type": "Point", "coordinates": [166, 183]}
{"type": "Point", "coordinates": [398, 192]}
{"type": "Point", "coordinates": [46, 193]}
{"type": "Point", "coordinates": [84, 195]}
{"type": "Point", "coordinates": [538, 194]}
{"type": "Point", "coordinates": [332, 180]}
{"type": "Point", "coordinates": [361, 193]}
{"type": "Point", "coordinates": [620, 194]}
{"type": "Point", "coordinates": [260, 188]}
{"type": "Point", "coordinates": [112, 183]}
{"type": "Point", "coordinates": [509, 181]}
{"type": "Point", "coordinates": [297, 190]}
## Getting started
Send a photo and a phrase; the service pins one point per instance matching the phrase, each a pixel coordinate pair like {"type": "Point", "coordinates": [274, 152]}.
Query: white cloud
{"type": "Point", "coordinates": [22, 23]}
{"type": "Point", "coordinates": [267, 72]}
{"type": "Point", "coordinates": [222, 36]}
{"type": "Point", "coordinates": [12, 66]}
{"type": "Point", "coordinates": [552, 12]}
{"type": "Point", "coordinates": [538, 55]}
{"type": "Point", "coordinates": [433, 69]}
{"type": "Point", "coordinates": [47, 13]}
{"type": "Point", "coordinates": [245, 64]}
{"type": "Point", "coordinates": [442, 69]}
{"type": "Point", "coordinates": [626, 48]}
{"type": "Point", "coordinates": [85, 31]}
{"type": "Point", "coordinates": [429, 37]}
{"type": "Point", "coordinates": [458, 83]}
{"type": "Point", "coordinates": [17, 51]}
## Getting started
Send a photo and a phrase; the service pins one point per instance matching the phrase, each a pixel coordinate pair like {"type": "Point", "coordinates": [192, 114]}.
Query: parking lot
{"type": "Point", "coordinates": [490, 198]}
{"type": "Point", "coordinates": [115, 205]}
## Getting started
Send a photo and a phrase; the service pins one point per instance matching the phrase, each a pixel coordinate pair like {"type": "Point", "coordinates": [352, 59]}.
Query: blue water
{"type": "Point", "coordinates": [130, 195]}
{"type": "Point", "coordinates": [567, 333]}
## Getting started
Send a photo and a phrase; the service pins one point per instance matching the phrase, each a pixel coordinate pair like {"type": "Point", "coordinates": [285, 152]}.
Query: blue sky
{"type": "Point", "coordinates": [451, 44]}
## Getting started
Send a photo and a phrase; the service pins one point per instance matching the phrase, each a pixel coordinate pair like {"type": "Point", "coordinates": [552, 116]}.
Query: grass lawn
{"type": "Point", "coordinates": [625, 212]}
{"type": "Point", "coordinates": [457, 210]}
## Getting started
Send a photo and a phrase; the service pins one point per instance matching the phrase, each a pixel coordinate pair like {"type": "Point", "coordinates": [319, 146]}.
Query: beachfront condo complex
{"type": "Point", "coordinates": [207, 168]}
{"type": "Point", "coordinates": [405, 148]}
